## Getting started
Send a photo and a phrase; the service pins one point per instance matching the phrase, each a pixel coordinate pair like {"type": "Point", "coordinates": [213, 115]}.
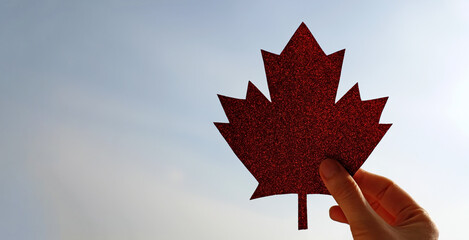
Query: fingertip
{"type": "Point", "coordinates": [336, 214]}
{"type": "Point", "coordinates": [334, 210]}
{"type": "Point", "coordinates": [328, 168]}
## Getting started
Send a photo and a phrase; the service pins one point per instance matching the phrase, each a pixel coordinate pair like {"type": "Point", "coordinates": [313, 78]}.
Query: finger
{"type": "Point", "coordinates": [383, 213]}
{"type": "Point", "coordinates": [390, 196]}
{"type": "Point", "coordinates": [346, 192]}
{"type": "Point", "coordinates": [336, 214]}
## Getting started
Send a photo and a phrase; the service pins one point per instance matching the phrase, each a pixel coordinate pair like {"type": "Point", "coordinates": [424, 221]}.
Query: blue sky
{"type": "Point", "coordinates": [106, 111]}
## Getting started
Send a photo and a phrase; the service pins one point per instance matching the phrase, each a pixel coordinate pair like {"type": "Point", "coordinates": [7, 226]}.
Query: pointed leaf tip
{"type": "Point", "coordinates": [339, 55]}
{"type": "Point", "coordinates": [232, 106]}
{"type": "Point", "coordinates": [375, 107]}
{"type": "Point", "coordinates": [352, 96]}
{"type": "Point", "coordinates": [301, 42]}
{"type": "Point", "coordinates": [302, 29]}
{"type": "Point", "coordinates": [221, 126]}
{"type": "Point", "coordinates": [384, 126]}
{"type": "Point", "coordinates": [223, 99]}
{"type": "Point", "coordinates": [251, 90]}
{"type": "Point", "coordinates": [224, 129]}
{"type": "Point", "coordinates": [379, 102]}
{"type": "Point", "coordinates": [259, 192]}
{"type": "Point", "coordinates": [265, 54]}
{"type": "Point", "coordinates": [254, 94]}
{"type": "Point", "coordinates": [356, 90]}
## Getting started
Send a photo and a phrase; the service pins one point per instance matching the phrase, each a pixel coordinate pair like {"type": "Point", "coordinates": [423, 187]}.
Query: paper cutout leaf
{"type": "Point", "coordinates": [283, 141]}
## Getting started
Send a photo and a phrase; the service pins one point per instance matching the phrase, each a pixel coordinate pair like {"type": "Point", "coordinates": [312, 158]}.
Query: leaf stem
{"type": "Point", "coordinates": [302, 212]}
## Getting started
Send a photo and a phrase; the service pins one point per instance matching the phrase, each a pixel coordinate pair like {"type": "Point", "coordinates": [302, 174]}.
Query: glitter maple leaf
{"type": "Point", "coordinates": [283, 141]}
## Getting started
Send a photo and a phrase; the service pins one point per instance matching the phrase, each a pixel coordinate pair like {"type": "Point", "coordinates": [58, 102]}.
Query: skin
{"type": "Point", "coordinates": [374, 206]}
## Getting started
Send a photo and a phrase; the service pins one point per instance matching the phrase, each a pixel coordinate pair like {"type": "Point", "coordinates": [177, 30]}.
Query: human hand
{"type": "Point", "coordinates": [374, 206]}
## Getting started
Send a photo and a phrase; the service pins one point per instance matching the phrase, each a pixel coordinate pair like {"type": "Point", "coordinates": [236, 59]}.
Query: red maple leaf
{"type": "Point", "coordinates": [283, 141]}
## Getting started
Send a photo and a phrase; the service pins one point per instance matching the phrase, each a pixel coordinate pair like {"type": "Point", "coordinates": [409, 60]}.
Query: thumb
{"type": "Point", "coordinates": [346, 193]}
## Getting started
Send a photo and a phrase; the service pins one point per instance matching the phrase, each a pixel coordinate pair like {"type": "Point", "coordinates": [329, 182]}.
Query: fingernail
{"type": "Point", "coordinates": [329, 168]}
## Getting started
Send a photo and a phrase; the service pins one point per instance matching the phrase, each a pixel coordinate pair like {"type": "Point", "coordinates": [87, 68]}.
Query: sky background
{"type": "Point", "coordinates": [107, 111]}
